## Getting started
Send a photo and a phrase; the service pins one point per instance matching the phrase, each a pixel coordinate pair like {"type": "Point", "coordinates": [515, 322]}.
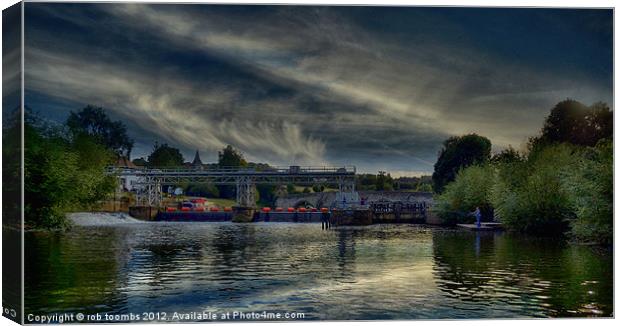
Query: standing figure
{"type": "Point", "coordinates": [478, 216]}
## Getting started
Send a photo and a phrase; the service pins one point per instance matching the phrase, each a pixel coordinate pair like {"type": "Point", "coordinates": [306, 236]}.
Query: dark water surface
{"type": "Point", "coordinates": [373, 272]}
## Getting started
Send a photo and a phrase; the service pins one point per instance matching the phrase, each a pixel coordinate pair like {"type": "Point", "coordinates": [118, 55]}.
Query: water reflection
{"type": "Point", "coordinates": [522, 276]}
{"type": "Point", "coordinates": [376, 272]}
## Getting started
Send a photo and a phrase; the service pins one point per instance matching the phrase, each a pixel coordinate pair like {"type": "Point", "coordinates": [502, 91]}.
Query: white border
{"type": "Point", "coordinates": [476, 3]}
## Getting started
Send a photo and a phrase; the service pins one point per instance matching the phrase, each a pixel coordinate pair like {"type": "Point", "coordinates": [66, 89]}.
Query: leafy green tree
{"type": "Point", "coordinates": [573, 122]}
{"type": "Point", "coordinates": [384, 181]}
{"type": "Point", "coordinates": [507, 155]}
{"type": "Point", "coordinates": [458, 153]}
{"type": "Point", "coordinates": [95, 122]}
{"type": "Point", "coordinates": [290, 188]}
{"type": "Point", "coordinates": [366, 181]}
{"type": "Point", "coordinates": [590, 187]}
{"type": "Point", "coordinates": [140, 161]}
{"type": "Point", "coordinates": [532, 196]}
{"type": "Point", "coordinates": [230, 157]}
{"type": "Point", "coordinates": [202, 190]}
{"type": "Point", "coordinates": [266, 194]}
{"type": "Point", "coordinates": [165, 156]}
{"type": "Point", "coordinates": [424, 187]}
{"type": "Point", "coordinates": [470, 189]}
{"type": "Point", "coordinates": [62, 175]}
{"type": "Point", "coordinates": [11, 169]}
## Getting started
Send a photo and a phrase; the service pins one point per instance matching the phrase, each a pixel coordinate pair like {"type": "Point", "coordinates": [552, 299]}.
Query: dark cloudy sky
{"type": "Point", "coordinates": [379, 88]}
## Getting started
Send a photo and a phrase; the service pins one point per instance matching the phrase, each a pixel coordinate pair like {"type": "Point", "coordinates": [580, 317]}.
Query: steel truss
{"type": "Point", "coordinates": [149, 182]}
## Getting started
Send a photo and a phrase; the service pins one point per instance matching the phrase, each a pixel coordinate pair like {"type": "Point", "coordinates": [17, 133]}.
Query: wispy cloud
{"type": "Point", "coordinates": [302, 85]}
{"type": "Point", "coordinates": [173, 109]}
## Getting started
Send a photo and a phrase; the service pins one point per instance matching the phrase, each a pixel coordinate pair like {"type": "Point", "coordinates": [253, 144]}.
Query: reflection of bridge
{"type": "Point", "coordinates": [148, 182]}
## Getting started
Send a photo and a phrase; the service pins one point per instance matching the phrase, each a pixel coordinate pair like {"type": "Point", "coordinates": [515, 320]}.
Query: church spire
{"type": "Point", "coordinates": [197, 162]}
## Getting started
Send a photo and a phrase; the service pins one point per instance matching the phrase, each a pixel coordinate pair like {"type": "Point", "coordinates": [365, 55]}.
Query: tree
{"type": "Point", "coordinates": [590, 187]}
{"type": "Point", "coordinates": [365, 181]}
{"type": "Point", "coordinates": [62, 175]}
{"type": "Point", "coordinates": [165, 156]}
{"type": "Point", "coordinates": [384, 181]}
{"type": "Point", "coordinates": [573, 122]}
{"type": "Point", "coordinates": [532, 196]}
{"type": "Point", "coordinates": [202, 190]}
{"type": "Point", "coordinates": [508, 155]}
{"type": "Point", "coordinates": [140, 161]}
{"type": "Point", "coordinates": [457, 153]}
{"type": "Point", "coordinates": [470, 189]}
{"type": "Point", "coordinates": [290, 188]}
{"type": "Point", "coordinates": [230, 157]}
{"type": "Point", "coordinates": [95, 122]}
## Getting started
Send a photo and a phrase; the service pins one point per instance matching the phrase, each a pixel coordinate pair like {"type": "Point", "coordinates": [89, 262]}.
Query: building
{"type": "Point", "coordinates": [126, 182]}
{"type": "Point", "coordinates": [197, 162]}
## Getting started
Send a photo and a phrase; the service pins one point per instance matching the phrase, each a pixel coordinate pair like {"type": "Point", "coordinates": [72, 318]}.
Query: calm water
{"type": "Point", "coordinates": [374, 272]}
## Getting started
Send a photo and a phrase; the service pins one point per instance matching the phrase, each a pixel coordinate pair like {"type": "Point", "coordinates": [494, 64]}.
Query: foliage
{"type": "Point", "coordinates": [11, 169]}
{"type": "Point", "coordinates": [458, 153]}
{"type": "Point", "coordinates": [590, 187]}
{"type": "Point", "coordinates": [165, 156]}
{"type": "Point", "coordinates": [422, 183]}
{"type": "Point", "coordinates": [230, 157]}
{"type": "Point", "coordinates": [94, 122]}
{"type": "Point", "coordinates": [424, 187]}
{"type": "Point", "coordinates": [290, 188]}
{"type": "Point", "coordinates": [576, 123]}
{"type": "Point", "coordinates": [470, 189]}
{"type": "Point", "coordinates": [140, 161]}
{"type": "Point", "coordinates": [562, 185]}
{"type": "Point", "coordinates": [384, 182]}
{"type": "Point", "coordinates": [266, 194]}
{"type": "Point", "coordinates": [508, 155]}
{"type": "Point", "coordinates": [531, 197]}
{"type": "Point", "coordinates": [62, 175]}
{"type": "Point", "coordinates": [202, 190]}
{"type": "Point", "coordinates": [366, 181]}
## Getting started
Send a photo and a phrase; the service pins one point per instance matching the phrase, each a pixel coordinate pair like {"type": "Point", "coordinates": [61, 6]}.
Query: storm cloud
{"type": "Point", "coordinates": [379, 88]}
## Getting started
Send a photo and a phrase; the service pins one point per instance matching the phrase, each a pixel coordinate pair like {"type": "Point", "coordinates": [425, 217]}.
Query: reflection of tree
{"type": "Point", "coordinates": [64, 272]}
{"type": "Point", "coordinates": [459, 261]}
{"type": "Point", "coordinates": [541, 275]}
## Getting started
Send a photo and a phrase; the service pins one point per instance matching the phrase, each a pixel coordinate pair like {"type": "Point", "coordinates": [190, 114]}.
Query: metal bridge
{"type": "Point", "coordinates": [149, 181]}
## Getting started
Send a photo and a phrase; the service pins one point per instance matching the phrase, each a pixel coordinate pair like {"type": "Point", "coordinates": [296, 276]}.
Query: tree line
{"type": "Point", "coordinates": [63, 163]}
{"type": "Point", "coordinates": [561, 184]}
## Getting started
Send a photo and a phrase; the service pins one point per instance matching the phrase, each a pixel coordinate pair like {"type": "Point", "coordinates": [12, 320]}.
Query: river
{"type": "Point", "coordinates": [371, 272]}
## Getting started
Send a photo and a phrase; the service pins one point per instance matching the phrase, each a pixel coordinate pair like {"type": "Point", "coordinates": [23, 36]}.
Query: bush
{"type": "Point", "coordinates": [591, 191]}
{"type": "Point", "coordinates": [531, 196]}
{"type": "Point", "coordinates": [470, 189]}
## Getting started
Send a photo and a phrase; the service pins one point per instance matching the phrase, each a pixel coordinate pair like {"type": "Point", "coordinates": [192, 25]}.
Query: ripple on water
{"type": "Point", "coordinates": [375, 272]}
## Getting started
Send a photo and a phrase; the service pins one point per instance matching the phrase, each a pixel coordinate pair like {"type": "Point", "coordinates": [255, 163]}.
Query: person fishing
{"type": "Point", "coordinates": [478, 216]}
